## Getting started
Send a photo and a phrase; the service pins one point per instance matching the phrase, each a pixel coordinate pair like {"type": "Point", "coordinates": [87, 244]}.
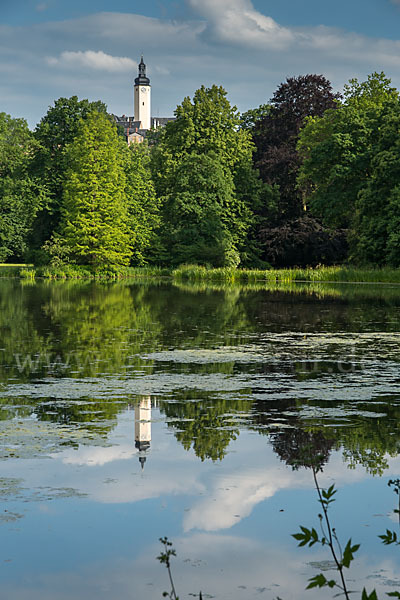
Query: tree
{"type": "Point", "coordinates": [349, 173]}
{"type": "Point", "coordinates": [142, 203]}
{"type": "Point", "coordinates": [57, 129]}
{"type": "Point", "coordinates": [276, 136]}
{"type": "Point", "coordinates": [21, 193]}
{"type": "Point", "coordinates": [205, 425]}
{"type": "Point", "coordinates": [250, 118]}
{"type": "Point", "coordinates": [303, 241]}
{"type": "Point", "coordinates": [95, 220]}
{"type": "Point", "coordinates": [197, 165]}
{"type": "Point", "coordinates": [198, 213]}
{"type": "Point", "coordinates": [376, 224]}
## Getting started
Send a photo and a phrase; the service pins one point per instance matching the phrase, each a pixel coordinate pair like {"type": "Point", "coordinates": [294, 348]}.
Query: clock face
{"type": "Point", "coordinates": [143, 89]}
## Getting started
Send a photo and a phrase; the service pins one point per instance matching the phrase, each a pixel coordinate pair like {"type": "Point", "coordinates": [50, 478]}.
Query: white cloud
{"type": "Point", "coordinates": [97, 456]}
{"type": "Point", "coordinates": [236, 21]}
{"type": "Point", "coordinates": [227, 42]}
{"type": "Point", "coordinates": [93, 60]}
{"type": "Point", "coordinates": [235, 497]}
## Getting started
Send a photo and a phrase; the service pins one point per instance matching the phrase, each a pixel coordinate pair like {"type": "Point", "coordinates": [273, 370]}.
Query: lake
{"type": "Point", "coordinates": [137, 410]}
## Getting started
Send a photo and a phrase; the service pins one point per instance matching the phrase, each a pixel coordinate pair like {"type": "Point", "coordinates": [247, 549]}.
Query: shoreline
{"type": "Point", "coordinates": [199, 274]}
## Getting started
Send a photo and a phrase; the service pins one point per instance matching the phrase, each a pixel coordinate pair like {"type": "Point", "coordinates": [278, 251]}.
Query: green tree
{"type": "Point", "coordinates": [57, 129]}
{"type": "Point", "coordinates": [95, 219]}
{"type": "Point", "coordinates": [198, 164]}
{"type": "Point", "coordinates": [142, 203]}
{"type": "Point", "coordinates": [21, 193]}
{"type": "Point", "coordinates": [376, 224]}
{"type": "Point", "coordinates": [198, 212]}
{"type": "Point", "coordinates": [343, 179]}
{"type": "Point", "coordinates": [205, 425]}
{"type": "Point", "coordinates": [251, 117]}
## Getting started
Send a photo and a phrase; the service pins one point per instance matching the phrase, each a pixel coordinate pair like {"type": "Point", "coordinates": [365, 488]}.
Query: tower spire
{"type": "Point", "coordinates": [142, 78]}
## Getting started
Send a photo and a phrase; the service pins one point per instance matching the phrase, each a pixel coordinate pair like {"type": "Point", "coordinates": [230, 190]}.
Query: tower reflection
{"type": "Point", "coordinates": [143, 427]}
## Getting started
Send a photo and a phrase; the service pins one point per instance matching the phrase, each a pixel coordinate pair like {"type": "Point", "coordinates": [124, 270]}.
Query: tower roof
{"type": "Point", "coordinates": [142, 79]}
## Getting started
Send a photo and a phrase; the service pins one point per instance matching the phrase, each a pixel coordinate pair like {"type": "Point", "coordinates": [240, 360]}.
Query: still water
{"type": "Point", "coordinates": [134, 411]}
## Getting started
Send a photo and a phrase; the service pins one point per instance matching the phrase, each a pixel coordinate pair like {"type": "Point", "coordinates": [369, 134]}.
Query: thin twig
{"type": "Point", "coordinates": [339, 566]}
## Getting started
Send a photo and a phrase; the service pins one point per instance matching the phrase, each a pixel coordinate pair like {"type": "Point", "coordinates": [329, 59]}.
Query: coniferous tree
{"type": "Point", "coordinates": [95, 226]}
{"type": "Point", "coordinates": [56, 129]}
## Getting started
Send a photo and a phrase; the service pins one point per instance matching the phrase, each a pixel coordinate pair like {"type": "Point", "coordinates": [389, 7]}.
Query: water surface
{"type": "Point", "coordinates": [131, 411]}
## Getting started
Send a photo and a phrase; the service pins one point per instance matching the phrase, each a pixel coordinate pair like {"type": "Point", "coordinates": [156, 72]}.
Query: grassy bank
{"type": "Point", "coordinates": [198, 274]}
{"type": "Point", "coordinates": [332, 274]}
{"type": "Point", "coordinates": [29, 272]}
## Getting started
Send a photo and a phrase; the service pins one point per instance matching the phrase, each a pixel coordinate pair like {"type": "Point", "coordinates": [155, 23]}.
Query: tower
{"type": "Point", "coordinates": [142, 97]}
{"type": "Point", "coordinates": [143, 427]}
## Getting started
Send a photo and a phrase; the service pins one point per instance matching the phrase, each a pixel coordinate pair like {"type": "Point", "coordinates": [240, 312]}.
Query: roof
{"type": "Point", "coordinates": [130, 125]}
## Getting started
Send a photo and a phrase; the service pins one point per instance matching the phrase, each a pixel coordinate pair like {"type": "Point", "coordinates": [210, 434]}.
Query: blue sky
{"type": "Point", "coordinates": [53, 48]}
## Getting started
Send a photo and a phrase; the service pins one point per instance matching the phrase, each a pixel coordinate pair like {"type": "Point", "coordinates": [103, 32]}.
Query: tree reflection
{"type": "Point", "coordinates": [205, 423]}
{"type": "Point", "coordinates": [301, 448]}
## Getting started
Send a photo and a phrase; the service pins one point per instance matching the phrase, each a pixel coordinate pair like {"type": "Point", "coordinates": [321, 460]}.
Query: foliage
{"type": "Point", "coordinates": [350, 169]}
{"type": "Point", "coordinates": [202, 172]}
{"type": "Point", "coordinates": [303, 241]}
{"type": "Point", "coordinates": [250, 118]}
{"type": "Point", "coordinates": [198, 214]}
{"type": "Point", "coordinates": [57, 129]}
{"type": "Point", "coordinates": [95, 216]}
{"type": "Point", "coordinates": [276, 135]}
{"type": "Point", "coordinates": [165, 559]}
{"type": "Point", "coordinates": [21, 193]}
{"type": "Point", "coordinates": [342, 558]}
{"type": "Point", "coordinates": [376, 224]}
{"type": "Point", "coordinates": [206, 426]}
{"type": "Point", "coordinates": [390, 537]}
{"type": "Point", "coordinates": [300, 448]}
{"type": "Point", "coordinates": [142, 204]}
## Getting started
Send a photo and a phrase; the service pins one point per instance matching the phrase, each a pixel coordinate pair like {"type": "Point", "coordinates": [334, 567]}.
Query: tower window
{"type": "Point", "coordinates": [143, 103]}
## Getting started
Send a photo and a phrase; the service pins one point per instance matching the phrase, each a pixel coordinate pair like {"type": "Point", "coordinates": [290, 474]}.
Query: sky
{"type": "Point", "coordinates": [90, 48]}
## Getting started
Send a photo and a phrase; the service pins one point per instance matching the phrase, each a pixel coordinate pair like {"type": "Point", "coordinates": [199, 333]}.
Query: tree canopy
{"type": "Point", "coordinates": [308, 177]}
{"type": "Point", "coordinates": [276, 135]}
{"type": "Point", "coordinates": [197, 167]}
{"type": "Point", "coordinates": [95, 214]}
{"type": "Point", "coordinates": [142, 204]}
{"type": "Point", "coordinates": [21, 193]}
{"type": "Point", "coordinates": [57, 128]}
{"type": "Point", "coordinates": [349, 175]}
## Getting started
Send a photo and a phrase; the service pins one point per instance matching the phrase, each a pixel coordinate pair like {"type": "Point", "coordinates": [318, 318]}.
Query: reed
{"type": "Point", "coordinates": [28, 274]}
{"type": "Point", "coordinates": [337, 274]}
{"type": "Point", "coordinates": [106, 274]}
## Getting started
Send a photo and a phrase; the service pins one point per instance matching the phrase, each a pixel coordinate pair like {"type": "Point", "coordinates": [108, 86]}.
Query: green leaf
{"type": "Point", "coordinates": [390, 537]}
{"type": "Point", "coordinates": [348, 554]}
{"type": "Point", "coordinates": [318, 581]}
{"type": "Point", "coordinates": [371, 596]}
{"type": "Point", "coordinates": [307, 536]}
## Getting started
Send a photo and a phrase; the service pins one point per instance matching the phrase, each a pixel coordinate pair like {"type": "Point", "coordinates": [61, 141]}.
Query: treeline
{"type": "Point", "coordinates": [311, 177]}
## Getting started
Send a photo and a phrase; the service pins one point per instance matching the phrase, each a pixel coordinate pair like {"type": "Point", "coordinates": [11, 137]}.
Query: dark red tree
{"type": "Point", "coordinates": [276, 136]}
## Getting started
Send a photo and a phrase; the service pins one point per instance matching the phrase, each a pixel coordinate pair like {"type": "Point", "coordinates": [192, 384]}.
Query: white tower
{"type": "Point", "coordinates": [142, 98]}
{"type": "Point", "coordinates": [143, 427]}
